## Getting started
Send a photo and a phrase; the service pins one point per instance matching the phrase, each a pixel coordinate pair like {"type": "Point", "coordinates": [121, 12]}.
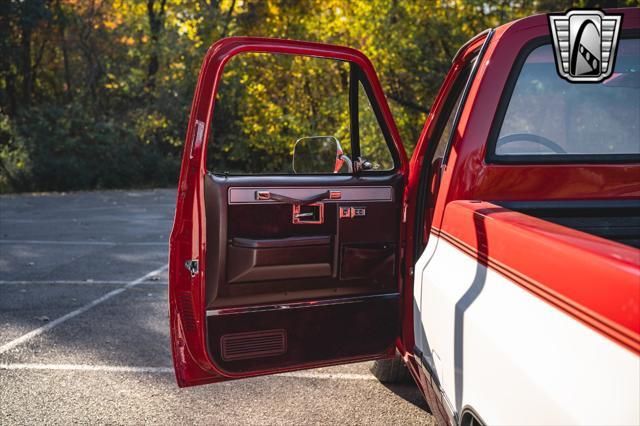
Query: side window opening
{"type": "Point", "coordinates": [267, 104]}
{"type": "Point", "coordinates": [373, 146]}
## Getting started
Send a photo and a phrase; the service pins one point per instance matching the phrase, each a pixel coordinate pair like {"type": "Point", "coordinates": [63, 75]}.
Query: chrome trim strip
{"type": "Point", "coordinates": [247, 195]}
{"type": "Point", "coordinates": [298, 305]}
{"type": "Point", "coordinates": [464, 46]}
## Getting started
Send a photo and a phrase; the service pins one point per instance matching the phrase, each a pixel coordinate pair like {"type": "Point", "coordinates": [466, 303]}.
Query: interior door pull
{"type": "Point", "coordinates": [266, 195]}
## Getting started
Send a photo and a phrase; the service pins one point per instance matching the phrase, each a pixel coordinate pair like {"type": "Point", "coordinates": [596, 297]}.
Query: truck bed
{"type": "Point", "coordinates": [616, 220]}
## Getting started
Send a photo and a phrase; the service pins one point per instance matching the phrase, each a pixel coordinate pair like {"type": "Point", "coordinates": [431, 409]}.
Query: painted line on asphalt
{"type": "Point", "coordinates": [84, 367]}
{"type": "Point", "coordinates": [328, 376]}
{"type": "Point", "coordinates": [38, 331]}
{"type": "Point", "coordinates": [124, 208]}
{"type": "Point", "coordinates": [85, 243]}
{"type": "Point", "coordinates": [85, 220]}
{"type": "Point", "coordinates": [169, 370]}
{"type": "Point", "coordinates": [81, 282]}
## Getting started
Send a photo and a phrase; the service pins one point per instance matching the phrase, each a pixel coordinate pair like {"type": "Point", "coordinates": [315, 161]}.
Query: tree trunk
{"type": "Point", "coordinates": [26, 65]}
{"type": "Point", "coordinates": [62, 27]}
{"type": "Point", "coordinates": [156, 25]}
{"type": "Point", "coordinates": [227, 19]}
{"type": "Point", "coordinates": [11, 92]}
{"type": "Point", "coordinates": [87, 45]}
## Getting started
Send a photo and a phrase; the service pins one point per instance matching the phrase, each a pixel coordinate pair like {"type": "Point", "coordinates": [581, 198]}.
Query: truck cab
{"type": "Point", "coordinates": [501, 261]}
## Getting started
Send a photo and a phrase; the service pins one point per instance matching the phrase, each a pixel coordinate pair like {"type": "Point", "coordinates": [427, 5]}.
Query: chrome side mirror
{"type": "Point", "coordinates": [320, 155]}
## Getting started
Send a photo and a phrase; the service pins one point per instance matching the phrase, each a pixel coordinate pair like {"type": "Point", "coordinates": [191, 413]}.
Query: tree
{"type": "Point", "coordinates": [96, 93]}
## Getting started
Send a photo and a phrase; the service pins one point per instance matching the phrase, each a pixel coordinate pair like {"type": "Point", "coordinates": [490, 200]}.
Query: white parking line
{"type": "Point", "coordinates": [169, 370]}
{"type": "Point", "coordinates": [85, 243]}
{"type": "Point", "coordinates": [328, 376]}
{"type": "Point", "coordinates": [91, 220]}
{"type": "Point", "coordinates": [71, 282]}
{"type": "Point", "coordinates": [33, 333]}
{"type": "Point", "coordinates": [84, 367]}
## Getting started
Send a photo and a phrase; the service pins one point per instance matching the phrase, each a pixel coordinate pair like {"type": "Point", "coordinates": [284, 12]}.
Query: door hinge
{"type": "Point", "coordinates": [192, 267]}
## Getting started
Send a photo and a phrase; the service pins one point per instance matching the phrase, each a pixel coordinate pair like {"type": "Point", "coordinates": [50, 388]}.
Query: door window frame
{"type": "Point", "coordinates": [357, 76]}
{"type": "Point", "coordinates": [459, 89]}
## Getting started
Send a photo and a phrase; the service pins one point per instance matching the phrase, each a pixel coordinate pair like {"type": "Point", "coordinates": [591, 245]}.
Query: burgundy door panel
{"type": "Point", "coordinates": [282, 242]}
{"type": "Point", "coordinates": [247, 264]}
{"type": "Point", "coordinates": [263, 235]}
{"type": "Point", "coordinates": [345, 193]}
{"type": "Point", "coordinates": [269, 221]}
{"type": "Point", "coordinates": [372, 262]}
{"type": "Point", "coordinates": [339, 331]}
{"type": "Point", "coordinates": [278, 259]}
{"type": "Point", "coordinates": [262, 284]}
{"type": "Point", "coordinates": [287, 294]}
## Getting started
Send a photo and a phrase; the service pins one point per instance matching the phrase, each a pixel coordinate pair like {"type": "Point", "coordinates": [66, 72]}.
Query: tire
{"type": "Point", "coordinates": [391, 371]}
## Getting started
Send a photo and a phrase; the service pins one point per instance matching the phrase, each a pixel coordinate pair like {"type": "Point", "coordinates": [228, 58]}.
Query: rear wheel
{"type": "Point", "coordinates": [391, 370]}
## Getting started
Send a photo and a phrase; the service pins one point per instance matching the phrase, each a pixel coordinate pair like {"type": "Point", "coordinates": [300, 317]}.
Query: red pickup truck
{"type": "Point", "coordinates": [501, 261]}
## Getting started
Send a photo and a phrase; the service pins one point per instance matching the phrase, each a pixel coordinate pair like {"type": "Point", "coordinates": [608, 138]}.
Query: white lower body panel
{"type": "Point", "coordinates": [511, 356]}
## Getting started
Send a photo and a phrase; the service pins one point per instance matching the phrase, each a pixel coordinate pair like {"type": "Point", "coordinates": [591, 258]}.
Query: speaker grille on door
{"type": "Point", "coordinates": [254, 344]}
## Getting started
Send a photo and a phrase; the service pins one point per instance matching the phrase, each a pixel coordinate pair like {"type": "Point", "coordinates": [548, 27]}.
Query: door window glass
{"type": "Point", "coordinates": [456, 94]}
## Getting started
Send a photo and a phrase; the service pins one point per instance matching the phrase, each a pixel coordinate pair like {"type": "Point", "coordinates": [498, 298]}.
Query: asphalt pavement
{"type": "Point", "coordinates": [84, 334]}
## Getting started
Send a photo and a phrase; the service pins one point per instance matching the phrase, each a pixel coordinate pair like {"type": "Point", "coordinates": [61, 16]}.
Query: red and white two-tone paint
{"type": "Point", "coordinates": [513, 284]}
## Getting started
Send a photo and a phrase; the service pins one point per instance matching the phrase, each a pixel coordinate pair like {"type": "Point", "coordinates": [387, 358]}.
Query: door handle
{"type": "Point", "coordinates": [266, 195]}
{"type": "Point", "coordinates": [309, 214]}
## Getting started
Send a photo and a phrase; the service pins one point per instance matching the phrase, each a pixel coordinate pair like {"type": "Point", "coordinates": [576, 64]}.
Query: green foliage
{"type": "Point", "coordinates": [96, 93]}
{"type": "Point", "coordinates": [66, 148]}
{"type": "Point", "coordinates": [266, 102]}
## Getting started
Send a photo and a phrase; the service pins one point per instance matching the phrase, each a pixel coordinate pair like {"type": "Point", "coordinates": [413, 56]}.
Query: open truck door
{"type": "Point", "coordinates": [297, 265]}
